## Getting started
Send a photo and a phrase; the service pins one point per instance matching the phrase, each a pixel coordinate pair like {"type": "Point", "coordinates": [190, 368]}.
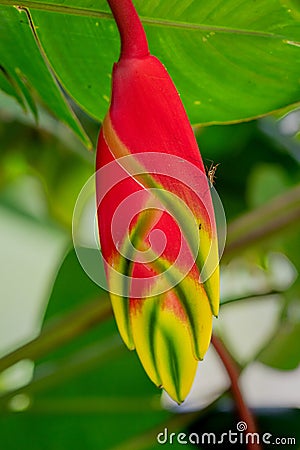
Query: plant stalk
{"type": "Point", "coordinates": [61, 331]}
{"type": "Point", "coordinates": [133, 38]}
{"type": "Point", "coordinates": [233, 373]}
{"type": "Point", "coordinates": [279, 213]}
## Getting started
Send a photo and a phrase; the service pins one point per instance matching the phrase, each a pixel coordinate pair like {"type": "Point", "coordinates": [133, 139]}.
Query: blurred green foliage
{"type": "Point", "coordinates": [80, 391]}
{"type": "Point", "coordinates": [89, 391]}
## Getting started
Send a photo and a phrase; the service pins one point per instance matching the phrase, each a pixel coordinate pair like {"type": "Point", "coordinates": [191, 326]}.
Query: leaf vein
{"type": "Point", "coordinates": [146, 20]}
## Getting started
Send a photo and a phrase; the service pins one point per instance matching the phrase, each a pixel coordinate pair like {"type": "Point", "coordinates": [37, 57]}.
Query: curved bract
{"type": "Point", "coordinates": [157, 232]}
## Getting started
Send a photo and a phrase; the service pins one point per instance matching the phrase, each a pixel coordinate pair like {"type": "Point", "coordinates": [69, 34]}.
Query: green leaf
{"type": "Point", "coordinates": [24, 64]}
{"type": "Point", "coordinates": [72, 287]}
{"type": "Point", "coordinates": [7, 85]}
{"type": "Point", "coordinates": [71, 431]}
{"type": "Point", "coordinates": [230, 61]}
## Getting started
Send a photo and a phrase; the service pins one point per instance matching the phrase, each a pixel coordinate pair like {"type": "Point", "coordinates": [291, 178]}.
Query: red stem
{"type": "Point", "coordinates": [233, 373]}
{"type": "Point", "coordinates": [133, 38]}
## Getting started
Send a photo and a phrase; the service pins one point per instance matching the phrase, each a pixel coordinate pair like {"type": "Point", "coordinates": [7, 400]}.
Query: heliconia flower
{"type": "Point", "coordinates": [163, 304]}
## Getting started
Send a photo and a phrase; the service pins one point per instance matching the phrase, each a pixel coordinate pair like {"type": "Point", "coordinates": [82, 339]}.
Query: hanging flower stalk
{"type": "Point", "coordinates": [164, 293]}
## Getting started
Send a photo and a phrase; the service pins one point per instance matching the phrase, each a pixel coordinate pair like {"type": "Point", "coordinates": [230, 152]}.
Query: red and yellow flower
{"type": "Point", "coordinates": [163, 304]}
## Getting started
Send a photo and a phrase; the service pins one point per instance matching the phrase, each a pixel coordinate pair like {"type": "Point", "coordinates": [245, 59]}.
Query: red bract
{"type": "Point", "coordinates": [156, 225]}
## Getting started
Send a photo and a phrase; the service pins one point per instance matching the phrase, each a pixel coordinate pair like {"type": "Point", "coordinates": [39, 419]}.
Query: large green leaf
{"type": "Point", "coordinates": [231, 60]}
{"type": "Point", "coordinates": [25, 72]}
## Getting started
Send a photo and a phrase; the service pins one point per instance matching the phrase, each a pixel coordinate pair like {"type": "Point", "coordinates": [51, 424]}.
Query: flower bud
{"type": "Point", "coordinates": [156, 225]}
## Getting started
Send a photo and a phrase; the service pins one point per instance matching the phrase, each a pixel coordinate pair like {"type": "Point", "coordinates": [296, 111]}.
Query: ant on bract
{"type": "Point", "coordinates": [211, 172]}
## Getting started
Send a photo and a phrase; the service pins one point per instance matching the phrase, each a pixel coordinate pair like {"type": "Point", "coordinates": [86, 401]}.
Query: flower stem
{"type": "Point", "coordinates": [133, 38]}
{"type": "Point", "coordinates": [233, 373]}
{"type": "Point", "coordinates": [279, 213]}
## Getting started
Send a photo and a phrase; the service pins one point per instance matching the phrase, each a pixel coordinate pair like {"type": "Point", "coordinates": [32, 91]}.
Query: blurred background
{"type": "Point", "coordinates": [67, 381]}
